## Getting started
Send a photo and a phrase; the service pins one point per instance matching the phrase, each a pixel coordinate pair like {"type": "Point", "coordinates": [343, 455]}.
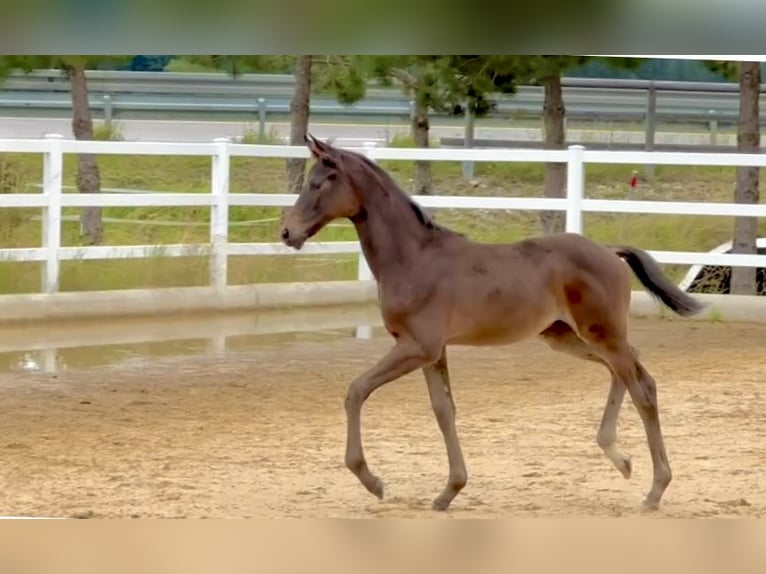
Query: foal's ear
{"type": "Point", "coordinates": [318, 149]}
{"type": "Point", "coordinates": [322, 151]}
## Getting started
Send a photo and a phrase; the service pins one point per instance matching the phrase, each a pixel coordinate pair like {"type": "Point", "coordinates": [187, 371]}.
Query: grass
{"type": "Point", "coordinates": [251, 135]}
{"type": "Point", "coordinates": [107, 132]}
{"type": "Point", "coordinates": [19, 173]}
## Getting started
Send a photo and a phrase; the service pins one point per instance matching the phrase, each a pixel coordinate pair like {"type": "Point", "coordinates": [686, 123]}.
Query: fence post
{"type": "Point", "coordinates": [219, 216]}
{"type": "Point", "coordinates": [53, 160]}
{"type": "Point", "coordinates": [575, 188]}
{"type": "Point", "coordinates": [50, 357]}
{"type": "Point", "coordinates": [108, 111]}
{"type": "Point", "coordinates": [650, 125]}
{"type": "Point", "coordinates": [262, 120]}
{"type": "Point", "coordinates": [713, 127]}
{"type": "Point", "coordinates": [468, 139]}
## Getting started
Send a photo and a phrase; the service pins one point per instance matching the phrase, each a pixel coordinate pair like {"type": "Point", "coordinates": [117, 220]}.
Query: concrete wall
{"type": "Point", "coordinates": [174, 301]}
{"type": "Point", "coordinates": [719, 307]}
{"type": "Point", "coordinates": [214, 327]}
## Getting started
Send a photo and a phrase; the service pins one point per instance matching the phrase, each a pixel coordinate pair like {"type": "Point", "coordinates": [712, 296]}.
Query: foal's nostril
{"type": "Point", "coordinates": [285, 234]}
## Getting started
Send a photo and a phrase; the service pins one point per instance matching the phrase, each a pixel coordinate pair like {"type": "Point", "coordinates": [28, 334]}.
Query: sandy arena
{"type": "Point", "coordinates": [261, 433]}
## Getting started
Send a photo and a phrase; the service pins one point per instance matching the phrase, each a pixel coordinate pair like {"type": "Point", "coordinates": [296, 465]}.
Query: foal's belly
{"type": "Point", "coordinates": [487, 327]}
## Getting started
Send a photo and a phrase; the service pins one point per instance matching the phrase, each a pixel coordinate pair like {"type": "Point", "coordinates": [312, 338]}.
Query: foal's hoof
{"type": "Point", "coordinates": [440, 504]}
{"type": "Point", "coordinates": [626, 468]}
{"type": "Point", "coordinates": [375, 486]}
{"type": "Point", "coordinates": [650, 505]}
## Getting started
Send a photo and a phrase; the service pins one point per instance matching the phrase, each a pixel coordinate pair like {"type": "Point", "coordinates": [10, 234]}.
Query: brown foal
{"type": "Point", "coordinates": [438, 288]}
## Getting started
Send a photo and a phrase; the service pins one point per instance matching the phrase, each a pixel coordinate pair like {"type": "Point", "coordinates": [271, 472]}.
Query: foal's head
{"type": "Point", "coordinates": [327, 195]}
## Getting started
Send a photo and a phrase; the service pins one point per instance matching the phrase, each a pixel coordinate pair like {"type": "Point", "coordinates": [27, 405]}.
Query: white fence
{"type": "Point", "coordinates": [52, 200]}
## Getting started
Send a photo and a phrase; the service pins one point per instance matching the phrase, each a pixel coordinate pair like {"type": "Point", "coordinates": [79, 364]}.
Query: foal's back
{"type": "Point", "coordinates": [500, 293]}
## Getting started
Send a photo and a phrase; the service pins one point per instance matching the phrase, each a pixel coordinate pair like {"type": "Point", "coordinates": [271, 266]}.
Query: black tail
{"type": "Point", "coordinates": [650, 275]}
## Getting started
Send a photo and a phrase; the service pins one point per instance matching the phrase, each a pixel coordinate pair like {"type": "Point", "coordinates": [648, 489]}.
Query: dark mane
{"type": "Point", "coordinates": [388, 183]}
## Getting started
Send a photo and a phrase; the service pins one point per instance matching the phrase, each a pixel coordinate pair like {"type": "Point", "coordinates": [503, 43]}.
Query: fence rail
{"type": "Point", "coordinates": [218, 249]}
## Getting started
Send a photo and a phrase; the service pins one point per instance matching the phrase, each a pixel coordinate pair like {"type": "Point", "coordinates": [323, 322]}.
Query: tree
{"type": "Point", "coordinates": [300, 108]}
{"type": "Point", "coordinates": [421, 80]}
{"type": "Point", "coordinates": [236, 65]}
{"type": "Point", "coordinates": [419, 77]}
{"type": "Point", "coordinates": [476, 77]}
{"type": "Point", "coordinates": [435, 83]}
{"type": "Point", "coordinates": [88, 176]}
{"type": "Point", "coordinates": [442, 83]}
{"type": "Point", "coordinates": [745, 235]}
{"type": "Point", "coordinates": [301, 67]}
{"type": "Point", "coordinates": [547, 71]}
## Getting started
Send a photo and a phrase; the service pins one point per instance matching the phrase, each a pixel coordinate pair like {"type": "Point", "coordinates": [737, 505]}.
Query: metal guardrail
{"type": "Point", "coordinates": [115, 94]}
{"type": "Point", "coordinates": [121, 93]}
{"type": "Point", "coordinates": [455, 142]}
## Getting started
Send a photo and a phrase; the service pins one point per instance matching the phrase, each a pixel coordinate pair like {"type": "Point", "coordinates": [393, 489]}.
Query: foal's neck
{"type": "Point", "coordinates": [389, 233]}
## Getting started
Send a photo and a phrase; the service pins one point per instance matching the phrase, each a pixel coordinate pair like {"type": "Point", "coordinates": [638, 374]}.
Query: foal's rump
{"type": "Point", "coordinates": [648, 272]}
{"type": "Point", "coordinates": [584, 256]}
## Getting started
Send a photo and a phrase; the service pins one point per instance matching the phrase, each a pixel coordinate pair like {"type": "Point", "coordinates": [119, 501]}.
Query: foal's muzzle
{"type": "Point", "coordinates": [295, 241]}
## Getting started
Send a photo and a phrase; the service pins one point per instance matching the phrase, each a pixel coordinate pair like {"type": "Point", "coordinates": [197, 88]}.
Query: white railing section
{"type": "Point", "coordinates": [52, 200]}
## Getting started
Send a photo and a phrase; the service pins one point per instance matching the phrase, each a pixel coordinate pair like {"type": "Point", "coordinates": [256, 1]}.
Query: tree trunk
{"type": "Point", "coordinates": [555, 173]}
{"type": "Point", "coordinates": [743, 279]}
{"type": "Point", "coordinates": [299, 121]}
{"type": "Point", "coordinates": [88, 177]}
{"type": "Point", "coordinates": [420, 127]}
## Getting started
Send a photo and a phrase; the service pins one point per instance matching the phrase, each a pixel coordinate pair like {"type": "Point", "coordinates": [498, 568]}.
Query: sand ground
{"type": "Point", "coordinates": [260, 433]}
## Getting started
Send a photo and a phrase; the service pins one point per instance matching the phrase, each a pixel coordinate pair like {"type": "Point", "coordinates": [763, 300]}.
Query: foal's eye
{"type": "Point", "coordinates": [332, 176]}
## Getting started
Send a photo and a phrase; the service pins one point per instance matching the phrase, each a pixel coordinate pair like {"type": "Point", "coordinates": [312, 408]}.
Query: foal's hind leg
{"type": "Point", "coordinates": [561, 337]}
{"type": "Point", "coordinates": [437, 379]}
{"type": "Point", "coordinates": [607, 431]}
{"type": "Point", "coordinates": [628, 370]}
{"type": "Point", "coordinates": [644, 396]}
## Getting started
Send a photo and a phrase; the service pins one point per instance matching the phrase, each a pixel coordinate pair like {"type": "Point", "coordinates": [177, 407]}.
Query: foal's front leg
{"type": "Point", "coordinates": [437, 378]}
{"type": "Point", "coordinates": [406, 356]}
